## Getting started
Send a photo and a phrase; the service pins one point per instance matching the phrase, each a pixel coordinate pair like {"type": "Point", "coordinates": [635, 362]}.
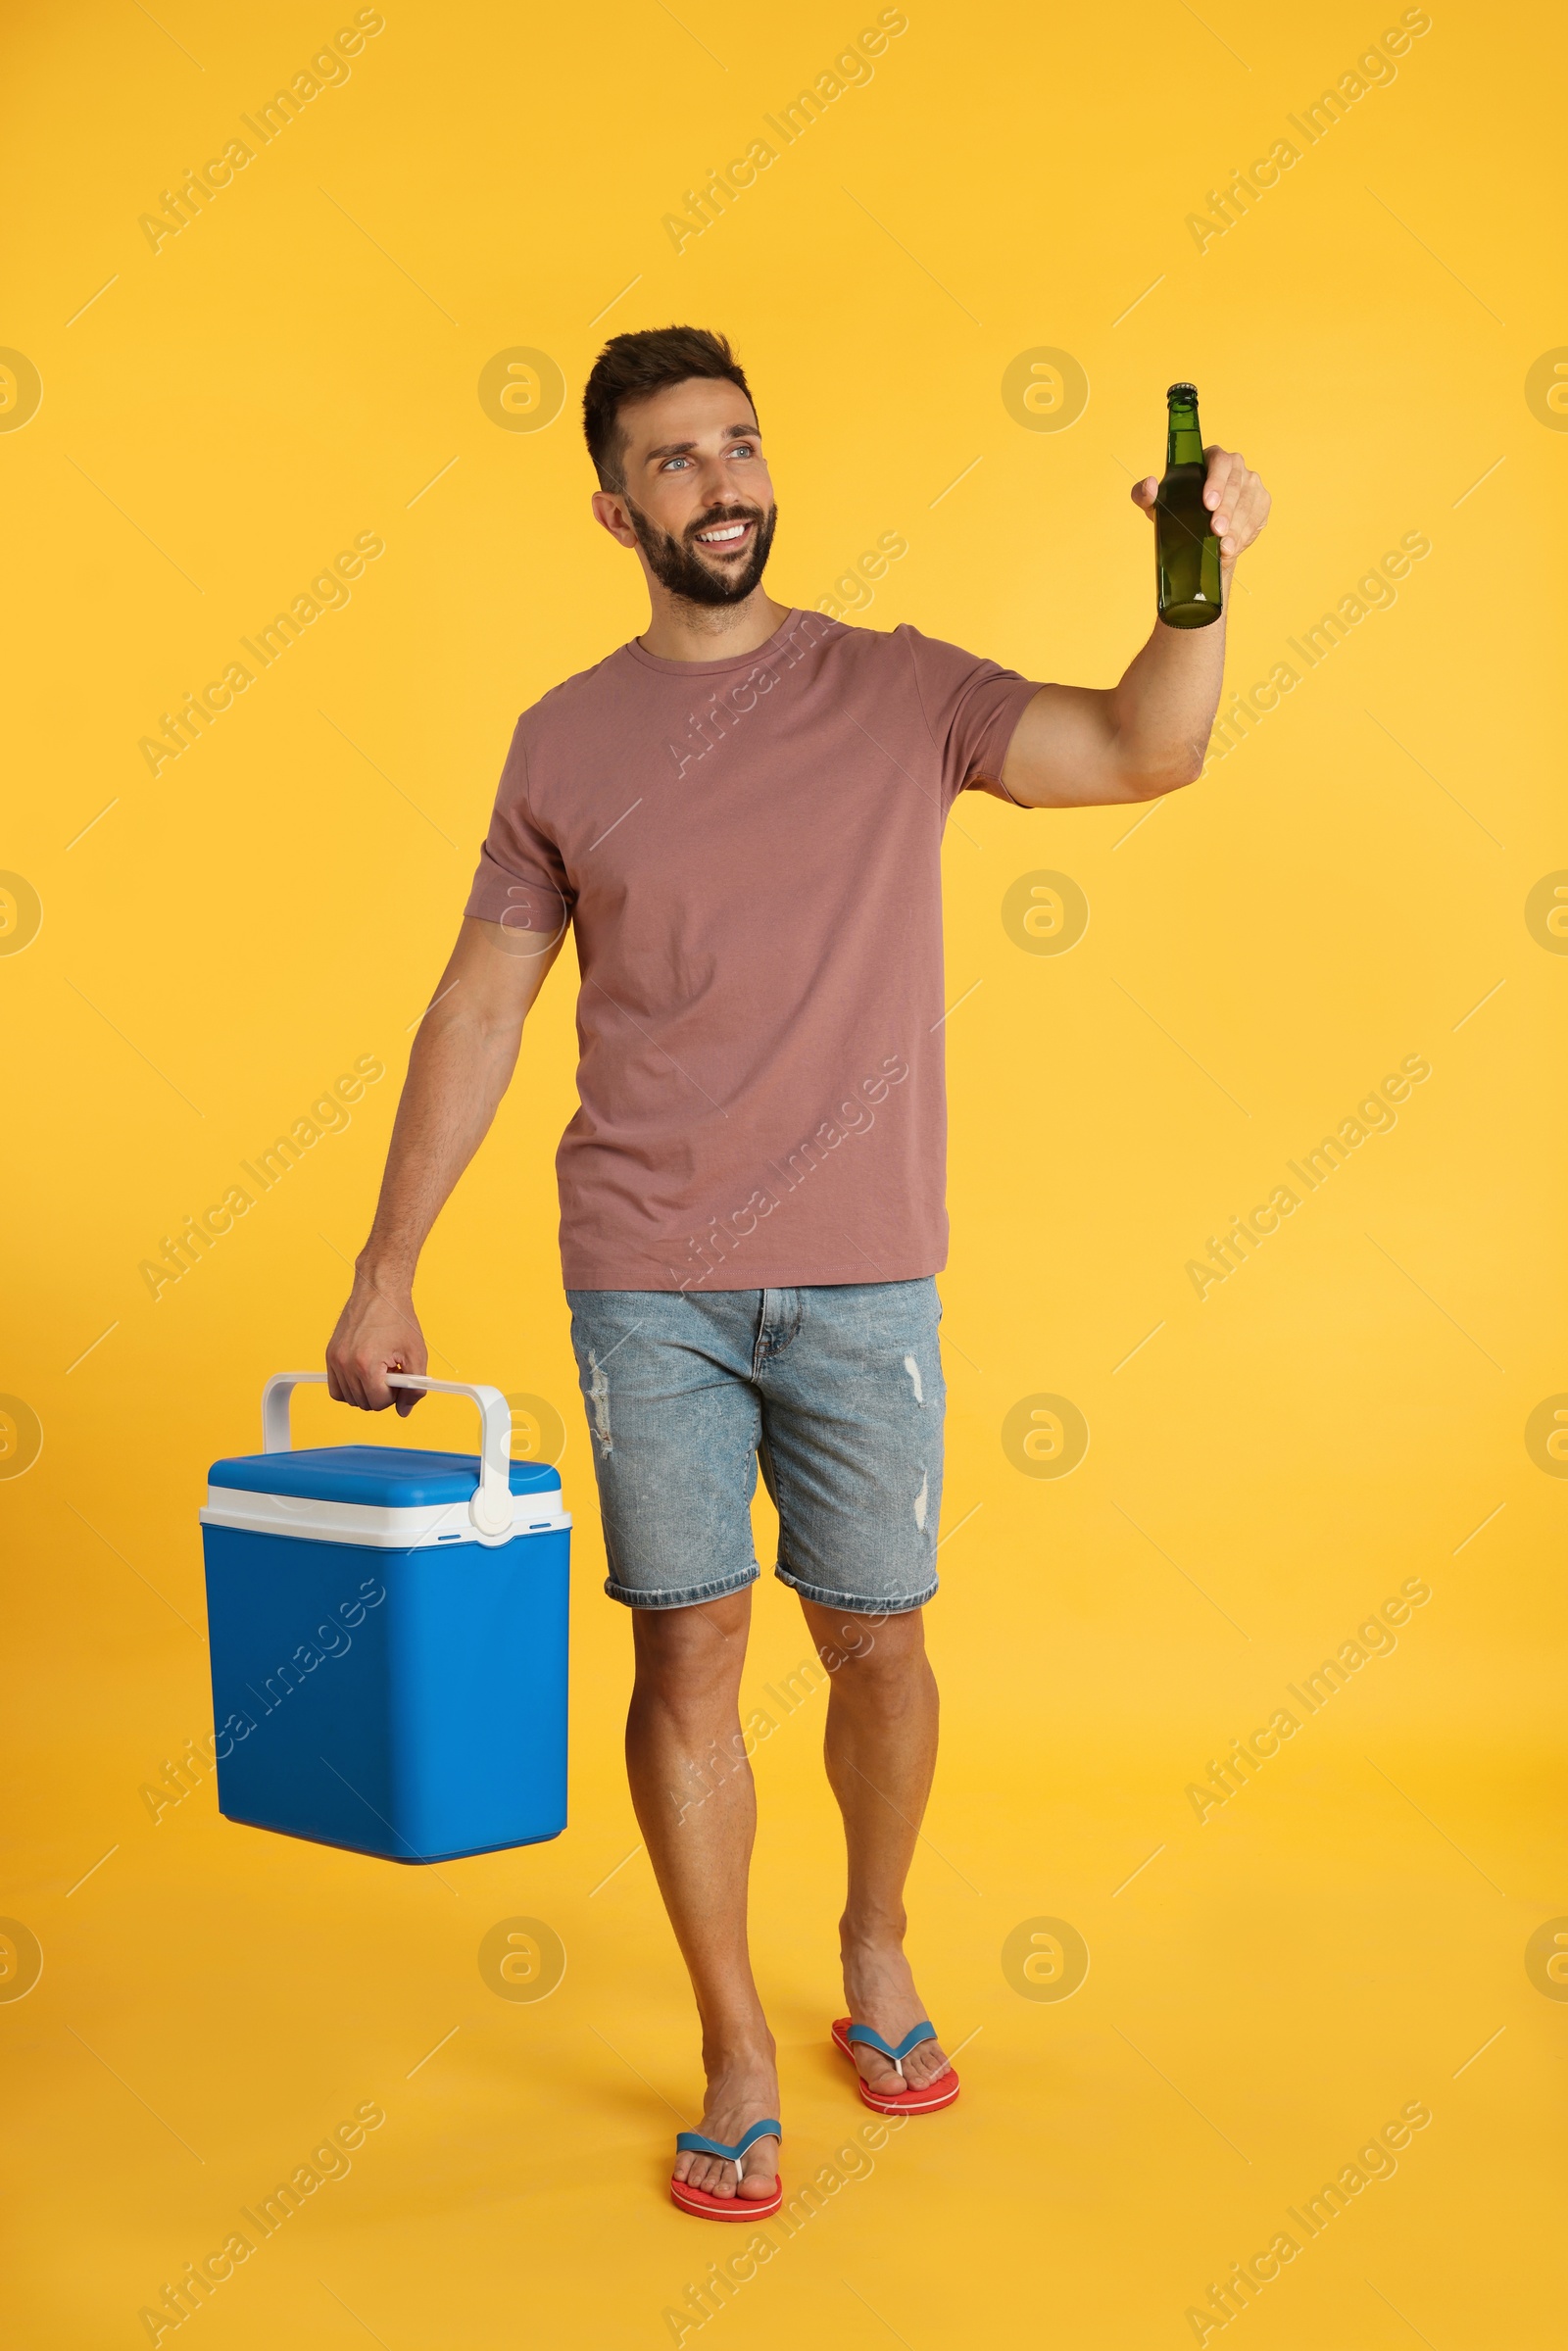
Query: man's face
{"type": "Point", "coordinates": [698, 504]}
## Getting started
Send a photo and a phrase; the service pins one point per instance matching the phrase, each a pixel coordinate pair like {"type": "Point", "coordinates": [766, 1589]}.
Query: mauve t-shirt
{"type": "Point", "coordinates": [749, 852]}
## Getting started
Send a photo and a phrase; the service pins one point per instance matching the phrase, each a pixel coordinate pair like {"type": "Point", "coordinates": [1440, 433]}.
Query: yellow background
{"type": "Point", "coordinates": [295, 367]}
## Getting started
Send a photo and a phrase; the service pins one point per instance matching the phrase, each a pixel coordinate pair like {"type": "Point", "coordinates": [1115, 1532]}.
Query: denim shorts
{"type": "Point", "coordinates": [837, 1390]}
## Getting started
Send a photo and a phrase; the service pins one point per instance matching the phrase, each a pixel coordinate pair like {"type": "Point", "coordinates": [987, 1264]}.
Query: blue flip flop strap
{"type": "Point", "coordinates": [691, 2142]}
{"type": "Point", "coordinates": [873, 2041]}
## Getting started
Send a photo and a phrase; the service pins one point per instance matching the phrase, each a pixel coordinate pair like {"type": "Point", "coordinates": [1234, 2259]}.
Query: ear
{"type": "Point", "coordinates": [610, 509]}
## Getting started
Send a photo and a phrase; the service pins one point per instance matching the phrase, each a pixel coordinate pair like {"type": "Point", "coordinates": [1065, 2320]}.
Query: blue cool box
{"type": "Point", "coordinates": [389, 1641]}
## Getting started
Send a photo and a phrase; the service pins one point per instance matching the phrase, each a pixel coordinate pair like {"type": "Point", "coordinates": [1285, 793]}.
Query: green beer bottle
{"type": "Point", "coordinates": [1185, 550]}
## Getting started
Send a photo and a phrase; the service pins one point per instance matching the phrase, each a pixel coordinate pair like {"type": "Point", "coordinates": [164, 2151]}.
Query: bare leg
{"type": "Point", "coordinates": [880, 1749]}
{"type": "Point", "coordinates": [692, 1789]}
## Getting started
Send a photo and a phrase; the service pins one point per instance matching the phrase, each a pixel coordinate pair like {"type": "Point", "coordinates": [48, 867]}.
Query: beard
{"type": "Point", "coordinates": [677, 565]}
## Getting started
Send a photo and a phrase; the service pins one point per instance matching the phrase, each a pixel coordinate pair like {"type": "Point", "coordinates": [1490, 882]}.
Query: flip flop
{"type": "Point", "coordinates": [726, 2208]}
{"type": "Point", "coordinates": [925, 2100]}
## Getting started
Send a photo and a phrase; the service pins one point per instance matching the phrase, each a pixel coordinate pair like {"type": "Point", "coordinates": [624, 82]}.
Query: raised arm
{"type": "Point", "coordinates": [1086, 746]}
{"type": "Point", "coordinates": [461, 1066]}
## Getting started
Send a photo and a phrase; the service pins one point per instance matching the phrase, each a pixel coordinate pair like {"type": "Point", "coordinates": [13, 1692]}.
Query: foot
{"type": "Point", "coordinates": [739, 2092]}
{"type": "Point", "coordinates": [879, 1991]}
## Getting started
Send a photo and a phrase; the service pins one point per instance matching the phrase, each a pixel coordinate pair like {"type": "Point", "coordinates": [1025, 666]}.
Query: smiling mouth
{"type": "Point", "coordinates": [723, 538]}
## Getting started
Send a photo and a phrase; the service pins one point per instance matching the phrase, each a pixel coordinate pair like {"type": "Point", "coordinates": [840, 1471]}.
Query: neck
{"type": "Point", "coordinates": [679, 630]}
{"type": "Point", "coordinates": [1184, 444]}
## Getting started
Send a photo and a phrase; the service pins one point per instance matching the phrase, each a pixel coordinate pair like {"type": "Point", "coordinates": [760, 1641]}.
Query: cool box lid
{"type": "Point", "coordinates": [390, 1497]}
{"type": "Point", "coordinates": [389, 1477]}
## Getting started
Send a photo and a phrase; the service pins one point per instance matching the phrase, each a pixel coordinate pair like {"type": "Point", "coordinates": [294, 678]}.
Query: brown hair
{"type": "Point", "coordinates": [634, 366]}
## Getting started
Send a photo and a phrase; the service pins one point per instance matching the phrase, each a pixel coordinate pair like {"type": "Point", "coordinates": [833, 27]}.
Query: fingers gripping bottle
{"type": "Point", "coordinates": [1185, 550]}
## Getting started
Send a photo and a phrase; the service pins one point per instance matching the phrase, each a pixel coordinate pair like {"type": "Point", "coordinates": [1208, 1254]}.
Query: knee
{"type": "Point", "coordinates": [872, 1658]}
{"type": "Point", "coordinates": [691, 1657]}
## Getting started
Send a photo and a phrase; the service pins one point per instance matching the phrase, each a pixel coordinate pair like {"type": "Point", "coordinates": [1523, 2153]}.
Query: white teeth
{"type": "Point", "coordinates": [715, 538]}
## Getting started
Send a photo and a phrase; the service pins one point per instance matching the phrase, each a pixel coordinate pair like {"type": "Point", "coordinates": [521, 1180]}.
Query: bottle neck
{"type": "Point", "coordinates": [1184, 444]}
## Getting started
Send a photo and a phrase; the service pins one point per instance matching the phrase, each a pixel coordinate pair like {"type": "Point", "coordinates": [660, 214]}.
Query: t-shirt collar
{"type": "Point", "coordinates": [735, 660]}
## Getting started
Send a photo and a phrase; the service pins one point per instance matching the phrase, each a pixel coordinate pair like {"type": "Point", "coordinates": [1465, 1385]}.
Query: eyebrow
{"type": "Point", "coordinates": [736, 433]}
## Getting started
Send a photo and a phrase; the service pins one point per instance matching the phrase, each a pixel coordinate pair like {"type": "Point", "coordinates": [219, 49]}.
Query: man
{"type": "Point", "coordinates": [740, 816]}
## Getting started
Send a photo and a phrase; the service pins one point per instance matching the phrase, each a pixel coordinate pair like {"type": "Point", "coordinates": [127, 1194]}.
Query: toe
{"type": "Point", "coordinates": [762, 2169]}
{"type": "Point", "coordinates": [875, 2071]}
{"type": "Point", "coordinates": [925, 2065]}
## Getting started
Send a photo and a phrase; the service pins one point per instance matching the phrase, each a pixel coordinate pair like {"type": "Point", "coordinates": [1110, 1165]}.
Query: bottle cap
{"type": "Point", "coordinates": [1184, 392]}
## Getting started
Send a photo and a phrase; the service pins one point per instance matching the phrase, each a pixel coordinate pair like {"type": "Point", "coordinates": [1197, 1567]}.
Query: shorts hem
{"type": "Point", "coordinates": [690, 1597]}
{"type": "Point", "coordinates": [856, 1605]}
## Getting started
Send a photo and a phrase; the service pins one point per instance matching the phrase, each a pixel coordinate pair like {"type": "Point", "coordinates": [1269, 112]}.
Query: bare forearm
{"type": "Point", "coordinates": [1098, 747]}
{"type": "Point", "coordinates": [461, 1063]}
{"type": "Point", "coordinates": [1162, 709]}
{"type": "Point", "coordinates": [1162, 712]}
{"type": "Point", "coordinates": [458, 1070]}
{"type": "Point", "coordinates": [1079, 747]}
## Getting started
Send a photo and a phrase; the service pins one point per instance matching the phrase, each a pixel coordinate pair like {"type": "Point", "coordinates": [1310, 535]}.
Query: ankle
{"type": "Point", "coordinates": [729, 2055]}
{"type": "Point", "coordinates": [871, 1936]}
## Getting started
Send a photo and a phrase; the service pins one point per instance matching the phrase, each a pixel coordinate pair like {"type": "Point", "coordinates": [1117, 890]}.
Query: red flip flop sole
{"type": "Point", "coordinates": [942, 2094]}
{"type": "Point", "coordinates": [931, 2100]}
{"type": "Point", "coordinates": [703, 2207]}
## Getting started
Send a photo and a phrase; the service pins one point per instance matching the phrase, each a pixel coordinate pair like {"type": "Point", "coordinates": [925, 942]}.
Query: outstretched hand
{"type": "Point", "coordinates": [1234, 495]}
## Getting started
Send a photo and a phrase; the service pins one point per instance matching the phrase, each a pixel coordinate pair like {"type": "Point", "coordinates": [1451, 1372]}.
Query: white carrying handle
{"type": "Point", "coordinates": [490, 1509]}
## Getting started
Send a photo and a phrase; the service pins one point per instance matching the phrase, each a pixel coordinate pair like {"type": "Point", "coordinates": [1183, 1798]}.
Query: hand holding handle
{"type": "Point", "coordinates": [490, 1509]}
